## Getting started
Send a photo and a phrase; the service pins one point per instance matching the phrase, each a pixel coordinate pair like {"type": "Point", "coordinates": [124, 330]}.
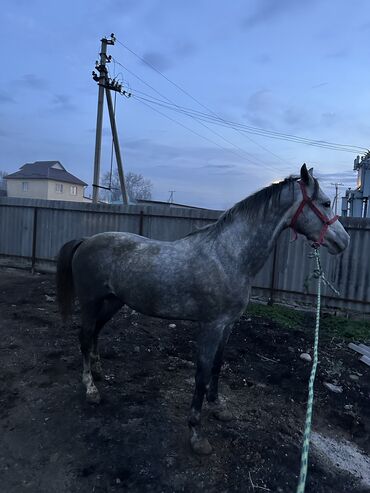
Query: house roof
{"type": "Point", "coordinates": [45, 170]}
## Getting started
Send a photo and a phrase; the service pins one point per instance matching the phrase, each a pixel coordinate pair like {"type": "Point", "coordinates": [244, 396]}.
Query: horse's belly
{"type": "Point", "coordinates": [163, 304]}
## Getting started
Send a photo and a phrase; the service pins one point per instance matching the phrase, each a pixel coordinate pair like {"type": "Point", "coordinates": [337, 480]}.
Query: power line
{"type": "Point", "coordinates": [194, 114]}
{"type": "Point", "coordinates": [255, 130]}
{"type": "Point", "coordinates": [196, 100]}
{"type": "Point", "coordinates": [193, 131]}
{"type": "Point", "coordinates": [188, 94]}
{"type": "Point", "coordinates": [170, 102]}
{"type": "Point", "coordinates": [164, 76]}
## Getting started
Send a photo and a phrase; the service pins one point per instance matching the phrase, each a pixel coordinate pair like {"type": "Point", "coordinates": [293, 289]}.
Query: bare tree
{"type": "Point", "coordinates": [138, 187]}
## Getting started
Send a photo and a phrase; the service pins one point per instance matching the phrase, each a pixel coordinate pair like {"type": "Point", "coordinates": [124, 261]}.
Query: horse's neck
{"type": "Point", "coordinates": [250, 240]}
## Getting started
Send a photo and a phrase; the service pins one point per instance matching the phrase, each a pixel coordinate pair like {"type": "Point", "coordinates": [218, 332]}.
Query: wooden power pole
{"type": "Point", "coordinates": [337, 185]}
{"type": "Point", "coordinates": [106, 85]}
{"type": "Point", "coordinates": [117, 150]}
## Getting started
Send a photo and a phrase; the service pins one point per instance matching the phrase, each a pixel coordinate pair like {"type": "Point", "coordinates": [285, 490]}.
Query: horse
{"type": "Point", "coordinates": [204, 277]}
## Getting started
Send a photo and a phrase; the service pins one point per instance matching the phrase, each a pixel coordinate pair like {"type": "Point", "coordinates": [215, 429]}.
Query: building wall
{"type": "Point", "coordinates": [44, 189]}
{"type": "Point", "coordinates": [37, 189]}
{"type": "Point", "coordinates": [356, 203]}
{"type": "Point", "coordinates": [66, 194]}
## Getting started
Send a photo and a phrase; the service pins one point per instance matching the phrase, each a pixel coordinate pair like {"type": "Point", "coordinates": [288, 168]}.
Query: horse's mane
{"type": "Point", "coordinates": [255, 205]}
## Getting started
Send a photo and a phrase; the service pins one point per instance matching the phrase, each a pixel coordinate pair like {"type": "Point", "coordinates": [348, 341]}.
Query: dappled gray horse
{"type": "Point", "coordinates": [204, 277]}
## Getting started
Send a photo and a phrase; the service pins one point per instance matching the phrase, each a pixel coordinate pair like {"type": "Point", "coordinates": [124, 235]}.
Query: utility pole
{"type": "Point", "coordinates": [106, 85]}
{"type": "Point", "coordinates": [336, 185]}
{"type": "Point", "coordinates": [116, 146]}
{"type": "Point", "coordinates": [170, 200]}
{"type": "Point", "coordinates": [99, 118]}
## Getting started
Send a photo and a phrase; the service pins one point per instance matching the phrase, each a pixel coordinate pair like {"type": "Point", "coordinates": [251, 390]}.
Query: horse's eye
{"type": "Point", "coordinates": [327, 204]}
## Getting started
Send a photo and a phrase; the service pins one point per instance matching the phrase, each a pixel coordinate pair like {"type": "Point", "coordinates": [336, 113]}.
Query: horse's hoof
{"type": "Point", "coordinates": [200, 446]}
{"type": "Point", "coordinates": [93, 397]}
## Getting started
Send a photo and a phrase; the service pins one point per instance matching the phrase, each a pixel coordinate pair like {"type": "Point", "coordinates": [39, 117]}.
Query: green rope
{"type": "Point", "coordinates": [307, 430]}
{"type": "Point", "coordinates": [319, 275]}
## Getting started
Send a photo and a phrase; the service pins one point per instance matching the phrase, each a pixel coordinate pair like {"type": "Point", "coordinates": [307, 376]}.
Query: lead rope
{"type": "Point", "coordinates": [319, 275]}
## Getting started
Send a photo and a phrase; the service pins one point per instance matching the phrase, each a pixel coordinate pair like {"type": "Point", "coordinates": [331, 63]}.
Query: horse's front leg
{"type": "Point", "coordinates": [209, 340]}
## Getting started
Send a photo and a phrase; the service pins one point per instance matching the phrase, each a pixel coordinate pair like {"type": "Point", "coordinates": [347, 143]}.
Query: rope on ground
{"type": "Point", "coordinates": [319, 275]}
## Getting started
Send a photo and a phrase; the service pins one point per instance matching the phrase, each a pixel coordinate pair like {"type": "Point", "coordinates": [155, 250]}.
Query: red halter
{"type": "Point", "coordinates": [308, 200]}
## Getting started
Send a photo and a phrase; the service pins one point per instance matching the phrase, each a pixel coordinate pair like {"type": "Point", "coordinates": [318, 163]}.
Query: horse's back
{"type": "Point", "coordinates": [152, 276]}
{"type": "Point", "coordinates": [120, 254]}
{"type": "Point", "coordinates": [113, 238]}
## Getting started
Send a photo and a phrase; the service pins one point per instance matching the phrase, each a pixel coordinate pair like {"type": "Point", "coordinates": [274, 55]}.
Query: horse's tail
{"type": "Point", "coordinates": [64, 279]}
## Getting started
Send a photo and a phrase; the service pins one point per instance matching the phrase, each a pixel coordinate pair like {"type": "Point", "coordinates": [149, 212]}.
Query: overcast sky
{"type": "Point", "coordinates": [297, 67]}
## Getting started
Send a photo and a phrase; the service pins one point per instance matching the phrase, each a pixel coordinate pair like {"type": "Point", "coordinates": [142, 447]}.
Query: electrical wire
{"type": "Point", "coordinates": [254, 130]}
{"type": "Point", "coordinates": [249, 129]}
{"type": "Point", "coordinates": [196, 118]}
{"type": "Point", "coordinates": [198, 102]}
{"type": "Point", "coordinates": [194, 132]}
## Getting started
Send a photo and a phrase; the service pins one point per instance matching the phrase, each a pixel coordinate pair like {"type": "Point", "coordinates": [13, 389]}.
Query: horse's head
{"type": "Point", "coordinates": [313, 216]}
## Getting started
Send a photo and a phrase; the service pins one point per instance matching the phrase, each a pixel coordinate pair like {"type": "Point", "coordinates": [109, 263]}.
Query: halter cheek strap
{"type": "Point", "coordinates": [306, 200]}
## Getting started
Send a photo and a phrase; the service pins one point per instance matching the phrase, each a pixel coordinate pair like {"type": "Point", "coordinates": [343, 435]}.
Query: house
{"type": "Point", "coordinates": [47, 180]}
{"type": "Point", "coordinates": [356, 203]}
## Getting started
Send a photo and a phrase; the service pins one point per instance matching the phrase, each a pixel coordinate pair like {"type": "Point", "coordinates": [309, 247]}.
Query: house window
{"type": "Point", "coordinates": [73, 190]}
{"type": "Point", "coordinates": [24, 186]}
{"type": "Point", "coordinates": [59, 187]}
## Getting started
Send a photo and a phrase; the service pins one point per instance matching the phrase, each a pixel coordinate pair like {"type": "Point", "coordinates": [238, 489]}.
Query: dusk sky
{"type": "Point", "coordinates": [288, 66]}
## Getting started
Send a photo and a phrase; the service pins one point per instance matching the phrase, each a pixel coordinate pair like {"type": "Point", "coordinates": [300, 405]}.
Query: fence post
{"type": "Point", "coordinates": [270, 300]}
{"type": "Point", "coordinates": [141, 223]}
{"type": "Point", "coordinates": [34, 240]}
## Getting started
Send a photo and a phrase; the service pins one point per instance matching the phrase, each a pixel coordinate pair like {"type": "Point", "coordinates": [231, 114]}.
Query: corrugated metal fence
{"type": "Point", "coordinates": [32, 232]}
{"type": "Point", "coordinates": [283, 276]}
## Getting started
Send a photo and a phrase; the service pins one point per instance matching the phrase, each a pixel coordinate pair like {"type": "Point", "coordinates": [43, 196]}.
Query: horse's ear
{"type": "Point", "coordinates": [305, 176]}
{"type": "Point", "coordinates": [311, 172]}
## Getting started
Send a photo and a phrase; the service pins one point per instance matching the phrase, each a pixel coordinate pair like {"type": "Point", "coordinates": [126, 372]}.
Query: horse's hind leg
{"type": "Point", "coordinates": [94, 316]}
{"type": "Point", "coordinates": [110, 307]}
{"type": "Point", "coordinates": [217, 405]}
{"type": "Point", "coordinates": [86, 335]}
{"type": "Point", "coordinates": [208, 343]}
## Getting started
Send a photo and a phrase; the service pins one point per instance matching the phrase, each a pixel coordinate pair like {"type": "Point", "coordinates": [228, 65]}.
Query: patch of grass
{"type": "Point", "coordinates": [283, 316]}
{"type": "Point", "coordinates": [346, 328]}
{"type": "Point", "coordinates": [330, 325]}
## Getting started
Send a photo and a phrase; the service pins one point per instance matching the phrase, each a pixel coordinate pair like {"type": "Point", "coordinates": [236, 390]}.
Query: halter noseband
{"type": "Point", "coordinates": [308, 200]}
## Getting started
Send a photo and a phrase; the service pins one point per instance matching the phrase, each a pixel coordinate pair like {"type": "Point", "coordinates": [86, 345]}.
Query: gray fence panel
{"type": "Point", "coordinates": [348, 272]}
{"type": "Point", "coordinates": [56, 227]}
{"type": "Point", "coordinates": [354, 272]}
{"type": "Point", "coordinates": [59, 222]}
{"type": "Point", "coordinates": [265, 276]}
{"type": "Point", "coordinates": [16, 227]}
{"type": "Point", "coordinates": [282, 277]}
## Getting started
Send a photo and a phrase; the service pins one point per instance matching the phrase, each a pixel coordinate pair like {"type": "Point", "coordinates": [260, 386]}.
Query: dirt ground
{"type": "Point", "coordinates": [136, 439]}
